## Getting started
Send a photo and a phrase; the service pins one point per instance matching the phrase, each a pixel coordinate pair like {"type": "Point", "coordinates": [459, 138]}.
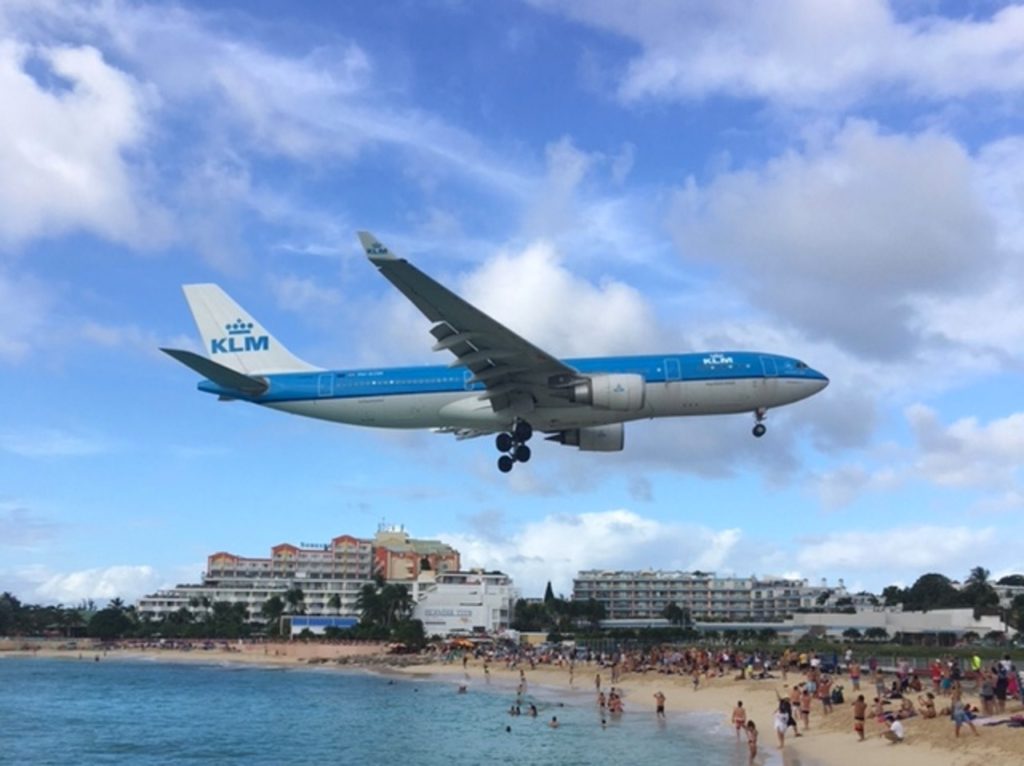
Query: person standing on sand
{"type": "Point", "coordinates": [960, 715]}
{"type": "Point", "coordinates": [781, 722]}
{"type": "Point", "coordinates": [805, 708]}
{"type": "Point", "coordinates": [752, 740]}
{"type": "Point", "coordinates": [696, 678]}
{"type": "Point", "coordinates": [739, 719]}
{"type": "Point", "coordinates": [659, 700]}
{"type": "Point", "coordinates": [860, 708]}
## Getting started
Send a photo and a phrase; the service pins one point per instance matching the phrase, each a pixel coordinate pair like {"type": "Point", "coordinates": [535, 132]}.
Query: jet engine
{"type": "Point", "coordinates": [594, 439]}
{"type": "Point", "coordinates": [622, 393]}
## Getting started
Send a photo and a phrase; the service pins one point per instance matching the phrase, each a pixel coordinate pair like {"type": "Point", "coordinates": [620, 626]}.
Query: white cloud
{"type": "Point", "coordinates": [556, 547]}
{"type": "Point", "coordinates": [22, 527]}
{"type": "Point", "coordinates": [806, 53]}
{"type": "Point", "coordinates": [967, 453]}
{"type": "Point", "coordinates": [919, 549]}
{"type": "Point", "coordinates": [24, 305]}
{"type": "Point", "coordinates": [127, 582]}
{"type": "Point", "coordinates": [49, 443]}
{"type": "Point", "coordinates": [840, 239]}
{"type": "Point", "coordinates": [303, 294]}
{"type": "Point", "coordinates": [563, 313]}
{"type": "Point", "coordinates": [64, 149]}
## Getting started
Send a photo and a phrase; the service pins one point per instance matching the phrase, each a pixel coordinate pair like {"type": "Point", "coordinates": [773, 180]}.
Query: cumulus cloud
{"type": "Point", "coordinates": [64, 157]}
{"type": "Point", "coordinates": [799, 52]}
{"type": "Point", "coordinates": [839, 239]}
{"type": "Point", "coordinates": [919, 549]}
{"type": "Point", "coordinates": [128, 582]}
{"type": "Point", "coordinates": [556, 547]}
{"type": "Point", "coordinates": [968, 453]}
{"type": "Point", "coordinates": [560, 311]}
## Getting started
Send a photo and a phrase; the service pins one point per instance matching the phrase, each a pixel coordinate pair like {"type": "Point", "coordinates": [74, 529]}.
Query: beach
{"type": "Point", "coordinates": [829, 740]}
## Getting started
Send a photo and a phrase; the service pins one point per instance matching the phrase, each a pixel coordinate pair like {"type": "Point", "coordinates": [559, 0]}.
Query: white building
{"type": "Point", "coordinates": [454, 603]}
{"type": "Point", "coordinates": [637, 596]}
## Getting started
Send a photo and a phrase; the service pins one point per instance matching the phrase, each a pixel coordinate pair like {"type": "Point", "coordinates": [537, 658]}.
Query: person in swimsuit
{"type": "Point", "coordinates": [659, 700]}
{"type": "Point", "coordinates": [739, 718]}
{"type": "Point", "coordinates": [859, 710]}
{"type": "Point", "coordinates": [752, 740]}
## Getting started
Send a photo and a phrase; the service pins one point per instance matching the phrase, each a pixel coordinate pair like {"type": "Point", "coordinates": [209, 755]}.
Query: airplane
{"type": "Point", "coordinates": [497, 384]}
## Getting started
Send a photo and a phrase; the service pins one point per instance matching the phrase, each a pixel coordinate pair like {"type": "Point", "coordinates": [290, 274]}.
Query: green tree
{"type": "Point", "coordinates": [877, 634]}
{"type": "Point", "coordinates": [10, 614]}
{"type": "Point", "coordinates": [893, 594]}
{"type": "Point", "coordinates": [979, 593]}
{"type": "Point", "coordinates": [334, 602]}
{"type": "Point", "coordinates": [549, 594]}
{"type": "Point", "coordinates": [851, 633]}
{"type": "Point", "coordinates": [109, 623]}
{"type": "Point", "coordinates": [272, 611]}
{"type": "Point", "coordinates": [295, 599]}
{"type": "Point", "coordinates": [933, 591]}
{"type": "Point", "coordinates": [675, 614]}
{"type": "Point", "coordinates": [1013, 579]}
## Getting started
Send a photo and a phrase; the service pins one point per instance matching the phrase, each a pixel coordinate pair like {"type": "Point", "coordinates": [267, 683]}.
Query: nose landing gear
{"type": "Point", "coordinates": [513, 443]}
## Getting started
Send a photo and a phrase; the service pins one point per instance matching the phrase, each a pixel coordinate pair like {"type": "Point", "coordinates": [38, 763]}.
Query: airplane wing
{"type": "Point", "coordinates": [517, 375]}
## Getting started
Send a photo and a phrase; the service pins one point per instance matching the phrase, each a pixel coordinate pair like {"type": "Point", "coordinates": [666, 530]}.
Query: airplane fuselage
{"type": "Point", "coordinates": [444, 397]}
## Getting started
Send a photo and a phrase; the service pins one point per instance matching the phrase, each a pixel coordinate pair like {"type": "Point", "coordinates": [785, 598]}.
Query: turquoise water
{"type": "Point", "coordinates": [56, 711]}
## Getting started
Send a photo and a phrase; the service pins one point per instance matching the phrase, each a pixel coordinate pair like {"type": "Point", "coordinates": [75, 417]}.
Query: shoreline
{"type": "Point", "coordinates": [830, 741]}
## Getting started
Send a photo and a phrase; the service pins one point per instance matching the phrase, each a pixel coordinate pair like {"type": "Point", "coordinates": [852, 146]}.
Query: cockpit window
{"type": "Point", "coordinates": [801, 366]}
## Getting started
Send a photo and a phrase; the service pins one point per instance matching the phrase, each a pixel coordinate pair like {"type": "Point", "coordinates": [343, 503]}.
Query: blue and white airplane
{"type": "Point", "coordinates": [498, 383]}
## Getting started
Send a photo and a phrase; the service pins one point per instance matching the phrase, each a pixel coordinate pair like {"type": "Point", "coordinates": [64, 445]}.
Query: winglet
{"type": "Point", "coordinates": [375, 251]}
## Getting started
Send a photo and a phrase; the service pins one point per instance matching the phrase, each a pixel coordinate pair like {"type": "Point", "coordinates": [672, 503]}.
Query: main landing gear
{"type": "Point", "coordinates": [759, 426]}
{"type": "Point", "coordinates": [513, 443]}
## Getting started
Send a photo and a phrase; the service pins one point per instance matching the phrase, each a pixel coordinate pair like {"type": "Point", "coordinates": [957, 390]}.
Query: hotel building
{"type": "Point", "coordinates": [459, 603]}
{"type": "Point", "coordinates": [640, 596]}
{"type": "Point", "coordinates": [338, 568]}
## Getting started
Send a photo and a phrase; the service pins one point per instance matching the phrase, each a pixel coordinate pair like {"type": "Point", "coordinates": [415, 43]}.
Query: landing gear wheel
{"type": "Point", "coordinates": [505, 463]}
{"type": "Point", "coordinates": [504, 442]}
{"type": "Point", "coordinates": [759, 430]}
{"type": "Point", "coordinates": [522, 432]}
{"type": "Point", "coordinates": [522, 453]}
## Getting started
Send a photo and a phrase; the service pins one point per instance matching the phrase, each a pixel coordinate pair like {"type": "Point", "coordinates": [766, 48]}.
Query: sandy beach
{"type": "Point", "coordinates": [830, 739]}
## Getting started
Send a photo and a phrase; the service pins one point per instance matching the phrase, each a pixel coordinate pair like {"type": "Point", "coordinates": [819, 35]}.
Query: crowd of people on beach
{"type": "Point", "coordinates": [810, 682]}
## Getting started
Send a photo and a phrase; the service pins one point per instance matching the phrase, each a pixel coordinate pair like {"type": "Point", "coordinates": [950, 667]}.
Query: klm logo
{"type": "Point", "coordinates": [239, 339]}
{"type": "Point", "coordinates": [716, 359]}
{"type": "Point", "coordinates": [377, 249]}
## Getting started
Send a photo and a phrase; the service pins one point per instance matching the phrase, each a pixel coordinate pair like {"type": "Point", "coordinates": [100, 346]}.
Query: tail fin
{"type": "Point", "coordinates": [233, 338]}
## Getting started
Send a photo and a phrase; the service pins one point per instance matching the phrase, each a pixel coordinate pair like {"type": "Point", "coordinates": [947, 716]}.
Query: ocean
{"type": "Point", "coordinates": [56, 711]}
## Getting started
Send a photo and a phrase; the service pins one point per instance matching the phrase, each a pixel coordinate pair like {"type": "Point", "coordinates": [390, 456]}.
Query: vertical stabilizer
{"type": "Point", "coordinates": [233, 338]}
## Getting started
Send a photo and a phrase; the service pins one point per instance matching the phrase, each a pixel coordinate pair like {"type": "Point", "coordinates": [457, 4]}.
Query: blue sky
{"type": "Point", "coordinates": [837, 181]}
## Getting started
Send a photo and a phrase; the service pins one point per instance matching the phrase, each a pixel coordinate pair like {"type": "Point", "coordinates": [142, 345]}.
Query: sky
{"type": "Point", "coordinates": [838, 181]}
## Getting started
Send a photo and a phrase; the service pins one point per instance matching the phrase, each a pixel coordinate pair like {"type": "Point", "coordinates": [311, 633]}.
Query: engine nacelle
{"type": "Point", "coordinates": [594, 439]}
{"type": "Point", "coordinates": [622, 393]}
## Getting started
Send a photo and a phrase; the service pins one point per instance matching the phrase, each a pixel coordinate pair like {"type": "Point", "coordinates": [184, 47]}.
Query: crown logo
{"type": "Point", "coordinates": [238, 327]}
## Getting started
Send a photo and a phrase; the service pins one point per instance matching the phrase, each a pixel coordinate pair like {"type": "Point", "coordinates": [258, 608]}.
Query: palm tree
{"type": "Point", "coordinates": [370, 605]}
{"type": "Point", "coordinates": [334, 602]}
{"type": "Point", "coordinates": [295, 598]}
{"type": "Point", "coordinates": [272, 610]}
{"type": "Point", "coordinates": [116, 603]}
{"type": "Point", "coordinates": [398, 603]}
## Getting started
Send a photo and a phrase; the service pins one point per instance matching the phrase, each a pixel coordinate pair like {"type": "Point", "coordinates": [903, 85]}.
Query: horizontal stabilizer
{"type": "Point", "coordinates": [223, 376]}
